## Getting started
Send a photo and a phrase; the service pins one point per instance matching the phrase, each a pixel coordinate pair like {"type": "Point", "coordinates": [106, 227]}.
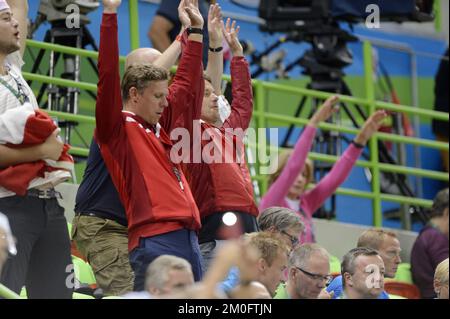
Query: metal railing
{"type": "Point", "coordinates": [261, 118]}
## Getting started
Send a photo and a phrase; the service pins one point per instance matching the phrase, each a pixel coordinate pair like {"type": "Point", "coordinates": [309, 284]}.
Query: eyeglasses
{"type": "Point", "coordinates": [293, 239]}
{"type": "Point", "coordinates": [317, 277]}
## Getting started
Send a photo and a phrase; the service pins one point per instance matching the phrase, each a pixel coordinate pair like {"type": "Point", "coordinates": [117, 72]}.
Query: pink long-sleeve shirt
{"type": "Point", "coordinates": [312, 199]}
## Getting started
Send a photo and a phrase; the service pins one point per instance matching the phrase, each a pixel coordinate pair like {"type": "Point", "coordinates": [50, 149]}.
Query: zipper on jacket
{"type": "Point", "coordinates": [178, 175]}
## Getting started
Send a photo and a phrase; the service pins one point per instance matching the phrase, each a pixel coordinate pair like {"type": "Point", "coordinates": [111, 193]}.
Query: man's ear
{"type": "Point", "coordinates": [133, 94]}
{"type": "Point", "coordinates": [262, 265]}
{"type": "Point", "coordinates": [348, 279]}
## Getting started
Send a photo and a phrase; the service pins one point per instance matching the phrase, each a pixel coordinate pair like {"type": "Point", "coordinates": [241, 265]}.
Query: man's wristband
{"type": "Point", "coordinates": [357, 145]}
{"type": "Point", "coordinates": [191, 30]}
{"type": "Point", "coordinates": [215, 50]}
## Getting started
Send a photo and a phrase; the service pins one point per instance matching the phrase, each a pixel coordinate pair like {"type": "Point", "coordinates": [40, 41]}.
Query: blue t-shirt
{"type": "Point", "coordinates": [97, 193]}
{"type": "Point", "coordinates": [169, 10]}
{"type": "Point", "coordinates": [232, 280]}
{"type": "Point", "coordinates": [337, 287]}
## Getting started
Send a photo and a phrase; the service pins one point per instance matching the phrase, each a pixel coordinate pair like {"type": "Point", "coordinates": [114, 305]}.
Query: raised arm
{"type": "Point", "coordinates": [315, 198]}
{"type": "Point", "coordinates": [215, 53]}
{"type": "Point", "coordinates": [109, 101]}
{"type": "Point", "coordinates": [280, 188]}
{"type": "Point", "coordinates": [19, 8]}
{"type": "Point", "coordinates": [186, 90]}
{"type": "Point", "coordinates": [170, 56]}
{"type": "Point", "coordinates": [242, 105]}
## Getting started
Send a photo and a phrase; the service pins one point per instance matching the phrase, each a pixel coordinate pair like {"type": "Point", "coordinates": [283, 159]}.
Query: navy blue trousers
{"type": "Point", "coordinates": [181, 243]}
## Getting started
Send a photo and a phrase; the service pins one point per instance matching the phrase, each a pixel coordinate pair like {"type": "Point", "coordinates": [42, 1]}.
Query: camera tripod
{"type": "Point", "coordinates": [60, 98]}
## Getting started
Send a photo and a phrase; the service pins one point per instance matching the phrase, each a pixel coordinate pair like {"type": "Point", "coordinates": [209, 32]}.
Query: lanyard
{"type": "Point", "coordinates": [19, 94]}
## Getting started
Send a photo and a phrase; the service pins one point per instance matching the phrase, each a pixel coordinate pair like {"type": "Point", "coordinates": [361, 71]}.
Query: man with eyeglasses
{"type": "Point", "coordinates": [309, 273]}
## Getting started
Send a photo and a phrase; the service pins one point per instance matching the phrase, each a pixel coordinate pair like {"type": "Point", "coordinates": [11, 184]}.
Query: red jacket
{"type": "Point", "coordinates": [154, 191]}
{"type": "Point", "coordinates": [25, 127]}
{"type": "Point", "coordinates": [221, 187]}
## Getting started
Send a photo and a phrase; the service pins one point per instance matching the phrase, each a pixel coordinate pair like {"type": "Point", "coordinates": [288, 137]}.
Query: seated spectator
{"type": "Point", "coordinates": [388, 247]}
{"type": "Point", "coordinates": [431, 246]}
{"type": "Point", "coordinates": [282, 221]}
{"type": "Point", "coordinates": [309, 273]}
{"type": "Point", "coordinates": [272, 261]}
{"type": "Point", "coordinates": [289, 184]}
{"type": "Point", "coordinates": [441, 280]}
{"type": "Point", "coordinates": [7, 244]}
{"type": "Point", "coordinates": [363, 274]}
{"type": "Point", "coordinates": [165, 275]}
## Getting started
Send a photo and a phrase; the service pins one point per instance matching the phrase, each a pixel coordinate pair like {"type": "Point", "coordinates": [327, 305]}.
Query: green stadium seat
{"type": "Point", "coordinates": [69, 227]}
{"type": "Point", "coordinates": [335, 266]}
{"type": "Point", "coordinates": [83, 271]}
{"type": "Point", "coordinates": [77, 295]}
{"type": "Point", "coordinates": [7, 293]}
{"type": "Point", "coordinates": [404, 274]}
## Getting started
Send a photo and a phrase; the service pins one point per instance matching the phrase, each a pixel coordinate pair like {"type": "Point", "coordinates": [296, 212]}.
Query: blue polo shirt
{"type": "Point", "coordinates": [97, 193]}
{"type": "Point", "coordinates": [337, 287]}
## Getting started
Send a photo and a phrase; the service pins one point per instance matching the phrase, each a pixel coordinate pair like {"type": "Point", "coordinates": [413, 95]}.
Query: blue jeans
{"type": "Point", "coordinates": [181, 243]}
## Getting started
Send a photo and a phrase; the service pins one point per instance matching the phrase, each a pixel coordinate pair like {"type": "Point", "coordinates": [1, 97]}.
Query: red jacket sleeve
{"type": "Point", "coordinates": [242, 105]}
{"type": "Point", "coordinates": [186, 90]}
{"type": "Point", "coordinates": [108, 112]}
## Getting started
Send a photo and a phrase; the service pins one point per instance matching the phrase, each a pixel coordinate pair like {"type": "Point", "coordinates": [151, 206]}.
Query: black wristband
{"type": "Point", "coordinates": [357, 145]}
{"type": "Point", "coordinates": [215, 50]}
{"type": "Point", "coordinates": [191, 30]}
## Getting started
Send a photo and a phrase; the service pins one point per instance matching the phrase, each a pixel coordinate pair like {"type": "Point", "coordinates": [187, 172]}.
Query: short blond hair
{"type": "Point", "coordinates": [282, 161]}
{"type": "Point", "coordinates": [268, 245]}
{"type": "Point", "coordinates": [441, 274]}
{"type": "Point", "coordinates": [373, 238]}
{"type": "Point", "coordinates": [140, 76]}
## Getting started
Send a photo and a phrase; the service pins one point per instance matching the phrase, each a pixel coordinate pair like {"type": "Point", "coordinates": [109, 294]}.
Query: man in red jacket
{"type": "Point", "coordinates": [162, 215]}
{"type": "Point", "coordinates": [221, 185]}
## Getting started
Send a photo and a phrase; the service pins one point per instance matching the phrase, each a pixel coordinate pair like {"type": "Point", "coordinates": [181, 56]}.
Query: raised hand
{"type": "Point", "coordinates": [371, 126]}
{"type": "Point", "coordinates": [328, 108]}
{"type": "Point", "coordinates": [110, 6]}
{"type": "Point", "coordinates": [191, 7]}
{"type": "Point", "coordinates": [215, 26]}
{"type": "Point", "coordinates": [231, 34]}
{"type": "Point", "coordinates": [183, 15]}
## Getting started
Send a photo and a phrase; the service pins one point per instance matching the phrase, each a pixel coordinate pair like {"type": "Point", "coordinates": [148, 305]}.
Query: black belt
{"type": "Point", "coordinates": [44, 194]}
{"type": "Point", "coordinates": [103, 216]}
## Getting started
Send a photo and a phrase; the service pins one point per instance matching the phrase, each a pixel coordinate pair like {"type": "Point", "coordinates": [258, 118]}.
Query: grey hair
{"type": "Point", "coordinates": [348, 262]}
{"type": "Point", "coordinates": [302, 254]}
{"type": "Point", "coordinates": [157, 273]}
{"type": "Point", "coordinates": [279, 217]}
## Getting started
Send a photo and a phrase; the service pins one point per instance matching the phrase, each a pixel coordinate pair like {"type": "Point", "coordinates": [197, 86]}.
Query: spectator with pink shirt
{"type": "Point", "coordinates": [288, 185]}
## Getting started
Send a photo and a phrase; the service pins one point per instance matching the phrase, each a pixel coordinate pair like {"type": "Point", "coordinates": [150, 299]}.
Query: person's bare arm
{"type": "Point", "coordinates": [159, 33]}
{"type": "Point", "coordinates": [50, 149]}
{"type": "Point", "coordinates": [170, 56]}
{"type": "Point", "coordinates": [215, 59]}
{"type": "Point", "coordinates": [19, 9]}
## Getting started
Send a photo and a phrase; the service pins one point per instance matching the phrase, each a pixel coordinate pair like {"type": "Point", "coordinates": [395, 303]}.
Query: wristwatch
{"type": "Point", "coordinates": [191, 30]}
